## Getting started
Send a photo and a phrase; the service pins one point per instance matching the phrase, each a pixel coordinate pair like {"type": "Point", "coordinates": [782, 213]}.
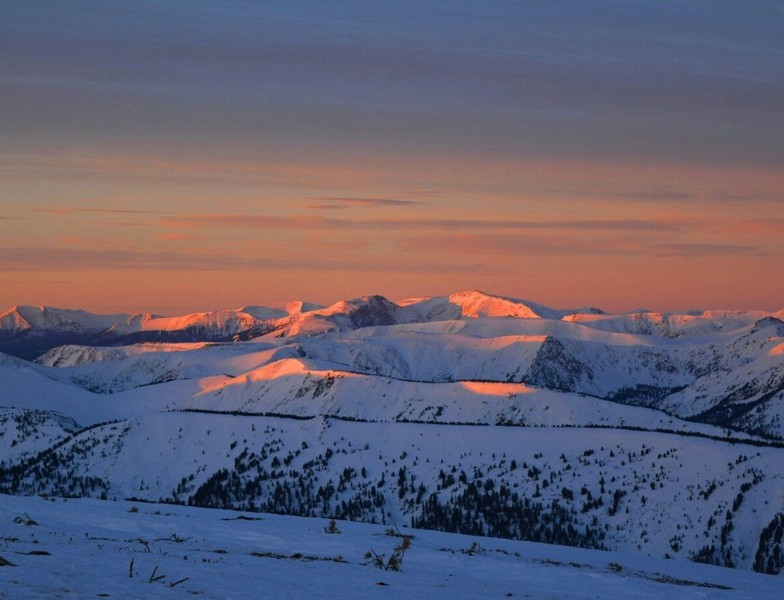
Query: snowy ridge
{"type": "Point", "coordinates": [45, 318]}
{"type": "Point", "coordinates": [71, 355]}
{"type": "Point", "coordinates": [214, 324]}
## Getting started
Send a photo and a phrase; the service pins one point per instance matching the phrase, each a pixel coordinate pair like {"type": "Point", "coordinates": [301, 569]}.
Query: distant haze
{"type": "Point", "coordinates": [178, 157]}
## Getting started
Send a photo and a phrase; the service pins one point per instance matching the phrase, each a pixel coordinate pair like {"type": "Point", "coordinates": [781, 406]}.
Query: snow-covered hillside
{"type": "Point", "coordinates": [647, 433]}
{"type": "Point", "coordinates": [87, 549]}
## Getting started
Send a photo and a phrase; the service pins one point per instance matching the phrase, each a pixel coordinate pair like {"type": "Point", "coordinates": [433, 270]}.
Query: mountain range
{"type": "Point", "coordinates": [655, 433]}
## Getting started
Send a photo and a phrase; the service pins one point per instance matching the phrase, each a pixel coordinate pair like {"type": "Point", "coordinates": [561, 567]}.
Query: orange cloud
{"type": "Point", "coordinates": [180, 237]}
{"type": "Point", "coordinates": [240, 221]}
{"type": "Point", "coordinates": [109, 211]}
{"type": "Point", "coordinates": [70, 241]}
{"type": "Point", "coordinates": [771, 226]}
{"type": "Point", "coordinates": [704, 249]}
{"type": "Point", "coordinates": [343, 202]}
{"type": "Point", "coordinates": [469, 245]}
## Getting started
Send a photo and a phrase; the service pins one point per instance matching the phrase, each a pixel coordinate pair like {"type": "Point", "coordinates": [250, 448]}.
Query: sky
{"type": "Point", "coordinates": [182, 156]}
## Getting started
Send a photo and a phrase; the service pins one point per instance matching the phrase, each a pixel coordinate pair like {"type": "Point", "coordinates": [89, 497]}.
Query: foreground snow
{"type": "Point", "coordinates": [87, 548]}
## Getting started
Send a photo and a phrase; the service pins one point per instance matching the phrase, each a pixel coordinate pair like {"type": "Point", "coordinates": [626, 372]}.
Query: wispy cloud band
{"type": "Point", "coordinates": [251, 221]}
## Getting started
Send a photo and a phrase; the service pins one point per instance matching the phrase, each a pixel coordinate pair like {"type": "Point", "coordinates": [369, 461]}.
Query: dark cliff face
{"type": "Point", "coordinates": [555, 368]}
{"type": "Point", "coordinates": [253, 332]}
{"type": "Point", "coordinates": [740, 409]}
{"type": "Point", "coordinates": [376, 311]}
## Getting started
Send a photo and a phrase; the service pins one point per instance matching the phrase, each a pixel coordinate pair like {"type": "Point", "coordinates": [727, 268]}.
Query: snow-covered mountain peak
{"type": "Point", "coordinates": [364, 311]}
{"type": "Point", "coordinates": [474, 304]}
{"type": "Point", "coordinates": [12, 320]}
{"type": "Point", "coordinates": [347, 306]}
{"type": "Point", "coordinates": [298, 306]}
{"type": "Point", "coordinates": [280, 311]}
{"type": "Point", "coordinates": [21, 318]}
